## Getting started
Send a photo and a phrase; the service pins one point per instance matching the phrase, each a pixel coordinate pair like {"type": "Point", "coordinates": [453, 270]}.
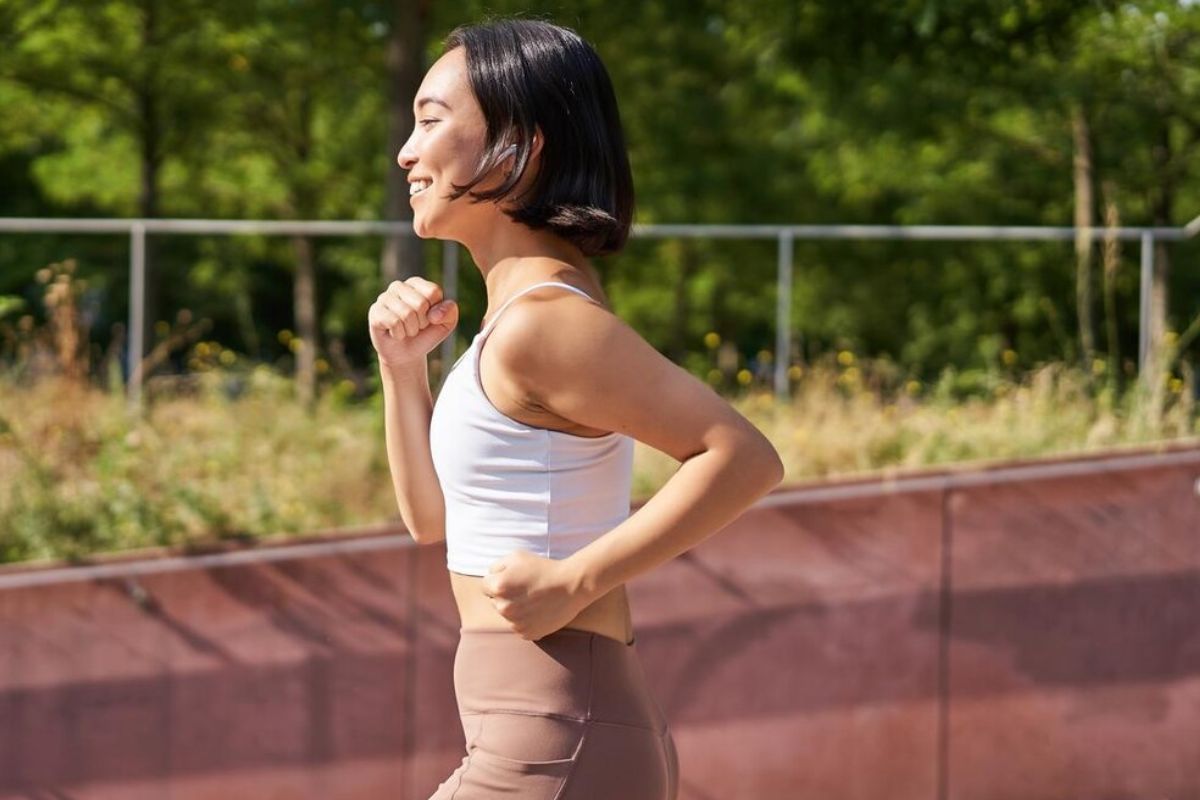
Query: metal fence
{"type": "Point", "coordinates": [785, 235]}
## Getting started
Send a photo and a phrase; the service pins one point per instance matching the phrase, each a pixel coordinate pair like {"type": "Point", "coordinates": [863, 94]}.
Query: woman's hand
{"type": "Point", "coordinates": [536, 595]}
{"type": "Point", "coordinates": [409, 319]}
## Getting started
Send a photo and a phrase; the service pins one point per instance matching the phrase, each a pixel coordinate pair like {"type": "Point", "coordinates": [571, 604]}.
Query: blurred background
{"type": "Point", "coordinates": [977, 113]}
{"type": "Point", "coordinates": [259, 416]}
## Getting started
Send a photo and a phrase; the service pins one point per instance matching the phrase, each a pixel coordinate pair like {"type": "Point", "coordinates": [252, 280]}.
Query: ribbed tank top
{"type": "Point", "coordinates": [511, 486]}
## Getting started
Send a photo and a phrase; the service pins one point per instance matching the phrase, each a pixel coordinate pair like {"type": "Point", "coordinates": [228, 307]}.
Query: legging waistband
{"type": "Point", "coordinates": [570, 673]}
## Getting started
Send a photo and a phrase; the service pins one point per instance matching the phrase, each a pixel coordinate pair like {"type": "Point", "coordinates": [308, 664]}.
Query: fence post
{"type": "Point", "coordinates": [137, 314]}
{"type": "Point", "coordinates": [1147, 285]}
{"type": "Point", "coordinates": [783, 316]}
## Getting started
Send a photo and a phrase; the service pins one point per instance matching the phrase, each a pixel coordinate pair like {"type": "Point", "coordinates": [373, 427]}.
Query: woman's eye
{"type": "Point", "coordinates": [422, 122]}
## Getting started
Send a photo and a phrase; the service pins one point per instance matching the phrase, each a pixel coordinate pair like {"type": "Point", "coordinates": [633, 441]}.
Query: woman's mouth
{"type": "Point", "coordinates": [417, 187]}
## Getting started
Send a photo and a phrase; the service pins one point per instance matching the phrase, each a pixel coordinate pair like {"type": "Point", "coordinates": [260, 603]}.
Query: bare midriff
{"type": "Point", "coordinates": [607, 615]}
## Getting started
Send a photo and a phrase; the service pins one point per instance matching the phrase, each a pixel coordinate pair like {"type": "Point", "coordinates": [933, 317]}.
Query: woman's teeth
{"type": "Point", "coordinates": [418, 186]}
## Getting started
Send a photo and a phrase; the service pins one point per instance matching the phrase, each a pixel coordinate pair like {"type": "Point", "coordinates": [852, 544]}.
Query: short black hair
{"type": "Point", "coordinates": [529, 74]}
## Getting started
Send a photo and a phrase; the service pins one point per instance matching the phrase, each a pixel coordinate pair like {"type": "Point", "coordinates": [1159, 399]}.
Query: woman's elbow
{"type": "Point", "coordinates": [427, 537]}
{"type": "Point", "coordinates": [764, 458]}
{"type": "Point", "coordinates": [427, 531]}
{"type": "Point", "coordinates": [424, 530]}
{"type": "Point", "coordinates": [774, 467]}
{"type": "Point", "coordinates": [757, 458]}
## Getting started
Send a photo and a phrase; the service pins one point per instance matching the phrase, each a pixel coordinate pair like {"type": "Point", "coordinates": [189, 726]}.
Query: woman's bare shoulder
{"type": "Point", "coordinates": [584, 278]}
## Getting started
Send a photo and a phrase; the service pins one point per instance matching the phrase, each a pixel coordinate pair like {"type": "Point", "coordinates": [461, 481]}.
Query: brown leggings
{"type": "Point", "coordinates": [566, 717]}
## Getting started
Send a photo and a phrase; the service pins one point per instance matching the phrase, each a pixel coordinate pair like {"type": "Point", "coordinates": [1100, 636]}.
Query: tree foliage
{"type": "Point", "coordinates": [921, 111]}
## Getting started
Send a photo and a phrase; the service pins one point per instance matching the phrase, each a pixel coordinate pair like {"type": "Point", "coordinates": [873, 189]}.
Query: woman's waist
{"type": "Point", "coordinates": [471, 550]}
{"type": "Point", "coordinates": [608, 615]}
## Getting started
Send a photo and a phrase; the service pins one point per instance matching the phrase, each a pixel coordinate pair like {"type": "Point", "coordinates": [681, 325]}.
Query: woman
{"type": "Point", "coordinates": [523, 465]}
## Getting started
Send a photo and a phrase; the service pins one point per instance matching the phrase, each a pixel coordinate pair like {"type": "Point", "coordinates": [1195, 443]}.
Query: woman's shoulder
{"type": "Point", "coordinates": [542, 269]}
{"type": "Point", "coordinates": [550, 319]}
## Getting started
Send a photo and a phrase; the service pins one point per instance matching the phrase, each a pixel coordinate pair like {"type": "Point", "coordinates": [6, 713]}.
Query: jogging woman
{"type": "Point", "coordinates": [523, 465]}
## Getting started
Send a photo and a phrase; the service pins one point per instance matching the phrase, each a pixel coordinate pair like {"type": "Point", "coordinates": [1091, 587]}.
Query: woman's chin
{"type": "Point", "coordinates": [420, 228]}
{"type": "Point", "coordinates": [425, 230]}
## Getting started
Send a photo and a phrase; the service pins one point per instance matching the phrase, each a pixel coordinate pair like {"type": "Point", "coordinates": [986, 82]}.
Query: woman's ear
{"type": "Point", "coordinates": [536, 147]}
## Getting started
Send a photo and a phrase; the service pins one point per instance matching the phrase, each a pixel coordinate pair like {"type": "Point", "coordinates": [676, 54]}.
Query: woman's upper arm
{"type": "Point", "coordinates": [582, 362]}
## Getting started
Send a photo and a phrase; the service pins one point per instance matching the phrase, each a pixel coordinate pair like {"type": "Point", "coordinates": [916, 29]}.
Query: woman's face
{"type": "Point", "coordinates": [444, 148]}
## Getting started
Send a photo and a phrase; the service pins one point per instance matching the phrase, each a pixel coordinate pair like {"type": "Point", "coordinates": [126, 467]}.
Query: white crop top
{"type": "Point", "coordinates": [512, 486]}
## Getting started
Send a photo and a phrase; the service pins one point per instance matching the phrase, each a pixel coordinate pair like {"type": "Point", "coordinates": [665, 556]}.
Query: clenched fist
{"type": "Point", "coordinates": [408, 320]}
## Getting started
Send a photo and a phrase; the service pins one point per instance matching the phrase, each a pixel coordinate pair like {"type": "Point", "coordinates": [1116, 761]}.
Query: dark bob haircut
{"type": "Point", "coordinates": [529, 74]}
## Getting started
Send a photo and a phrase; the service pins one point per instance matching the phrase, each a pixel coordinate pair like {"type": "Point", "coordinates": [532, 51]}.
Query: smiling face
{"type": "Point", "coordinates": [445, 147]}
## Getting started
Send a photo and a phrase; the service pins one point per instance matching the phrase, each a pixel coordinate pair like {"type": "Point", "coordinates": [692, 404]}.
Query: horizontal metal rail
{"type": "Point", "coordinates": [785, 235]}
{"type": "Point", "coordinates": [365, 228]}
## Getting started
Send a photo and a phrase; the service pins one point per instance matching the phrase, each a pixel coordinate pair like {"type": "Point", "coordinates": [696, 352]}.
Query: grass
{"type": "Point", "coordinates": [81, 475]}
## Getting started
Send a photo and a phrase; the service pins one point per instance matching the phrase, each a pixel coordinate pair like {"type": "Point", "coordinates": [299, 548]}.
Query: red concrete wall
{"type": "Point", "coordinates": [1023, 631]}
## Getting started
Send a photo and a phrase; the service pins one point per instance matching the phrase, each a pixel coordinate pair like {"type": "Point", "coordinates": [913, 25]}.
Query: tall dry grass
{"type": "Point", "coordinates": [839, 423]}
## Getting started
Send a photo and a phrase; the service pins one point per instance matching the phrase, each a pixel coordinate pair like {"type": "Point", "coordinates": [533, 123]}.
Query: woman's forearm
{"type": "Point", "coordinates": [705, 494]}
{"type": "Point", "coordinates": [407, 410]}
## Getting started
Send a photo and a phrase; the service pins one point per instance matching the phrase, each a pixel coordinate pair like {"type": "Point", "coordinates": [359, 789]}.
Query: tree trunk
{"type": "Point", "coordinates": [304, 203]}
{"type": "Point", "coordinates": [1164, 199]}
{"type": "Point", "coordinates": [402, 255]}
{"type": "Point", "coordinates": [682, 306]}
{"type": "Point", "coordinates": [148, 193]}
{"type": "Point", "coordinates": [1084, 203]}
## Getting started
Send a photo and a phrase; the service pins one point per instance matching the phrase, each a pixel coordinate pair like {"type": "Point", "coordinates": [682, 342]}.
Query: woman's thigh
{"type": "Point", "coordinates": [630, 763]}
{"type": "Point", "coordinates": [543, 758]}
{"type": "Point", "coordinates": [514, 755]}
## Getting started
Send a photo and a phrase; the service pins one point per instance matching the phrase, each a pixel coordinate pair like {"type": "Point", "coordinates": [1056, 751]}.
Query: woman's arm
{"type": "Point", "coordinates": [406, 321]}
{"type": "Point", "coordinates": [582, 363]}
{"type": "Point", "coordinates": [706, 493]}
{"type": "Point", "coordinates": [407, 409]}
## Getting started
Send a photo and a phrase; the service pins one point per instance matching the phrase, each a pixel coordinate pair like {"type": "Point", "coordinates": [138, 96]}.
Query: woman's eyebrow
{"type": "Point", "coordinates": [432, 99]}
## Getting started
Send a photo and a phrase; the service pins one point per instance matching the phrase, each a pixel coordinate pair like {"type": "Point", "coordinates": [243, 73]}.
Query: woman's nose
{"type": "Point", "coordinates": [406, 158]}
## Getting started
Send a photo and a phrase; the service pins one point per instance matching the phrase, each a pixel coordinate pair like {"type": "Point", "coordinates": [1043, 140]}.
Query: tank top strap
{"type": "Point", "coordinates": [492, 322]}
